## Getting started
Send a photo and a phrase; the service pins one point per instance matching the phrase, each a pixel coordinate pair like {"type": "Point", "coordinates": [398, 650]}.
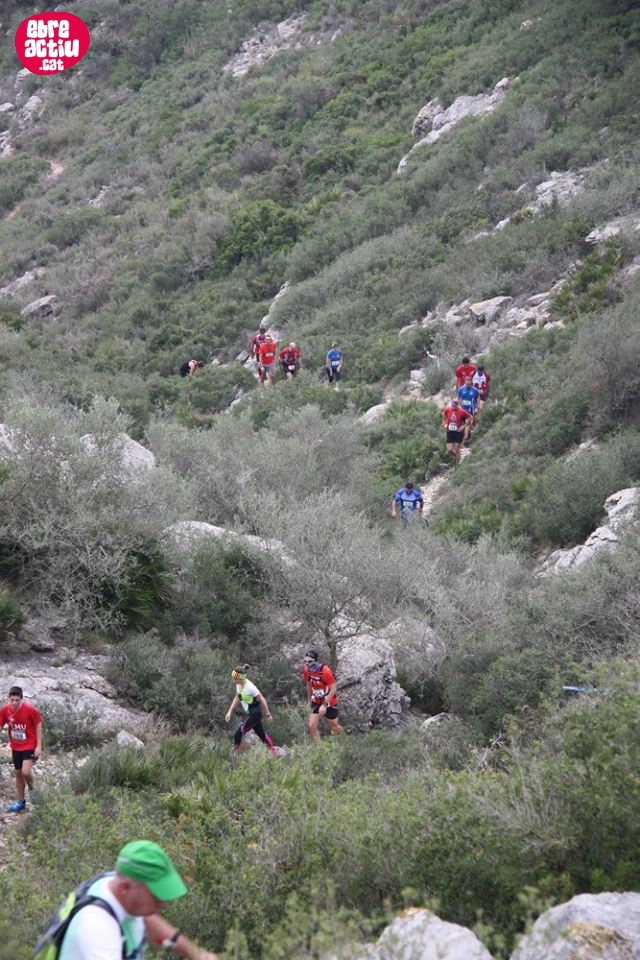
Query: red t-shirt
{"type": "Point", "coordinates": [290, 355]}
{"type": "Point", "coordinates": [320, 683]}
{"type": "Point", "coordinates": [267, 352]}
{"type": "Point", "coordinates": [455, 417]}
{"type": "Point", "coordinates": [22, 725]}
{"type": "Point", "coordinates": [464, 370]}
{"type": "Point", "coordinates": [255, 343]}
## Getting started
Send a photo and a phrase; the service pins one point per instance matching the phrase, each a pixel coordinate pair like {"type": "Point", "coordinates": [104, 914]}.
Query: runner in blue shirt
{"type": "Point", "coordinates": [408, 499]}
{"type": "Point", "coordinates": [333, 364]}
{"type": "Point", "coordinates": [469, 396]}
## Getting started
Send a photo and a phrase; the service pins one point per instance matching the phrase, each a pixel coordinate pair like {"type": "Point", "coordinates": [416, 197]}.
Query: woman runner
{"type": "Point", "coordinates": [253, 705]}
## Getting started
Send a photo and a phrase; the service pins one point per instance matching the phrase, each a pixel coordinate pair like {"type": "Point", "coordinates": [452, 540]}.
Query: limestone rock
{"type": "Point", "coordinates": [43, 307]}
{"type": "Point", "coordinates": [12, 288]}
{"type": "Point", "coordinates": [621, 507]}
{"type": "Point", "coordinates": [135, 458]}
{"type": "Point", "coordinates": [367, 686]}
{"type": "Point", "coordinates": [37, 634]}
{"type": "Point", "coordinates": [269, 39]}
{"type": "Point", "coordinates": [126, 739]}
{"type": "Point", "coordinates": [186, 535]}
{"type": "Point", "coordinates": [442, 121]}
{"type": "Point", "coordinates": [487, 311]}
{"type": "Point", "coordinates": [373, 414]}
{"type": "Point", "coordinates": [601, 926]}
{"type": "Point", "coordinates": [417, 934]}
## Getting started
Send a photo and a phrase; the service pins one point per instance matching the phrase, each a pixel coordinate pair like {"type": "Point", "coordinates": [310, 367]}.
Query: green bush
{"type": "Point", "coordinates": [69, 726]}
{"type": "Point", "coordinates": [11, 616]}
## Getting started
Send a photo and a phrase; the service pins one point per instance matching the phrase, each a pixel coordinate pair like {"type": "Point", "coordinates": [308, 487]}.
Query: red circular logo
{"type": "Point", "coordinates": [51, 42]}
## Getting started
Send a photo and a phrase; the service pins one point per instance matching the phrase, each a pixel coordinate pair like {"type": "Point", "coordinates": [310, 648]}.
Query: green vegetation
{"type": "Point", "coordinates": [166, 234]}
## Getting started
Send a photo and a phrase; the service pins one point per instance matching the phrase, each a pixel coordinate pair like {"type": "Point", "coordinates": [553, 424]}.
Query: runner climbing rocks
{"type": "Point", "coordinates": [469, 397]}
{"type": "Point", "coordinates": [267, 357]}
{"type": "Point", "coordinates": [481, 380]}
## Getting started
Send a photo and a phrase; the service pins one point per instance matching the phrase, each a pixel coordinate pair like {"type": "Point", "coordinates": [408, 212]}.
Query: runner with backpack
{"type": "Point", "coordinates": [322, 694]}
{"type": "Point", "coordinates": [114, 915]}
{"type": "Point", "coordinates": [190, 367]}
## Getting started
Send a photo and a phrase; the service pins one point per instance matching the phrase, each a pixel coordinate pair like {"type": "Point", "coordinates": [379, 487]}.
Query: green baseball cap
{"type": "Point", "coordinates": [146, 862]}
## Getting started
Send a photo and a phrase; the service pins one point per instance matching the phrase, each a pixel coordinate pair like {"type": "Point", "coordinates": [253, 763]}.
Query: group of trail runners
{"type": "Point", "coordinates": [115, 914]}
{"type": "Point", "coordinates": [459, 417]}
{"type": "Point", "coordinates": [264, 351]}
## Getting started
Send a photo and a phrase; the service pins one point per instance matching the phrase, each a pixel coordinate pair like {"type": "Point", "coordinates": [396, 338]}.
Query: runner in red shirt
{"type": "Point", "coordinates": [321, 692]}
{"type": "Point", "coordinates": [466, 369]}
{"type": "Point", "coordinates": [267, 356]}
{"type": "Point", "coordinates": [256, 342]}
{"type": "Point", "coordinates": [290, 360]}
{"type": "Point", "coordinates": [453, 420]}
{"type": "Point", "coordinates": [24, 723]}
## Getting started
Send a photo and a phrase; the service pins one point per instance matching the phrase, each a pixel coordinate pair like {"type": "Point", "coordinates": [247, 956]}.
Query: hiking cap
{"type": "Point", "coordinates": [311, 656]}
{"type": "Point", "coordinates": [146, 862]}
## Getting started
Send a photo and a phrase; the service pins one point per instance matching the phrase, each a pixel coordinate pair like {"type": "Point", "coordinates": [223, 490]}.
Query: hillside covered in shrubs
{"type": "Point", "coordinates": [161, 195]}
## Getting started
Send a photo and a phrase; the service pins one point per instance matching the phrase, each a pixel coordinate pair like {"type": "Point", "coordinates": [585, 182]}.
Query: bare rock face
{"type": "Point", "coordinates": [373, 414]}
{"type": "Point", "coordinates": [43, 307]}
{"type": "Point", "coordinates": [621, 508]}
{"type": "Point", "coordinates": [433, 120]}
{"type": "Point", "coordinates": [602, 926]}
{"type": "Point", "coordinates": [367, 686]}
{"type": "Point", "coordinates": [417, 934]}
{"type": "Point", "coordinates": [185, 536]}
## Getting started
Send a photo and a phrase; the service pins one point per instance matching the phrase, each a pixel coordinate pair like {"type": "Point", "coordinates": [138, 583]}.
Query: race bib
{"type": "Point", "coordinates": [18, 735]}
{"type": "Point", "coordinates": [452, 425]}
{"type": "Point", "coordinates": [291, 366]}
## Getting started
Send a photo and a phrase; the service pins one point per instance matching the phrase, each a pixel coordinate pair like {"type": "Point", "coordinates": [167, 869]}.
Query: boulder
{"type": "Point", "coordinates": [370, 696]}
{"type": "Point", "coordinates": [128, 740]}
{"type": "Point", "coordinates": [373, 414]}
{"type": "Point", "coordinates": [134, 458]}
{"type": "Point", "coordinates": [601, 926]}
{"type": "Point", "coordinates": [417, 934]}
{"type": "Point", "coordinates": [488, 311]}
{"type": "Point", "coordinates": [185, 537]}
{"type": "Point", "coordinates": [37, 634]}
{"type": "Point", "coordinates": [43, 307]}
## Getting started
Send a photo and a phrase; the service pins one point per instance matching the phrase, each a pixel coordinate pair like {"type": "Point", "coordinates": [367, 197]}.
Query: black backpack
{"type": "Point", "coordinates": [184, 369]}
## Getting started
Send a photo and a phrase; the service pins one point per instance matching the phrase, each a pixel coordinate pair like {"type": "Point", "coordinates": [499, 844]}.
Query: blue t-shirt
{"type": "Point", "coordinates": [334, 357]}
{"type": "Point", "coordinates": [468, 398]}
{"type": "Point", "coordinates": [408, 499]}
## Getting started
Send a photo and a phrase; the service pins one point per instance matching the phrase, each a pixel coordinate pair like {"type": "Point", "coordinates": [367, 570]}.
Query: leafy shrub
{"type": "Point", "coordinates": [69, 726]}
{"type": "Point", "coordinates": [185, 684]}
{"type": "Point", "coordinates": [11, 616]}
{"type": "Point", "coordinates": [68, 228]}
{"type": "Point", "coordinates": [259, 229]}
{"type": "Point", "coordinates": [565, 503]}
{"type": "Point", "coordinates": [18, 174]}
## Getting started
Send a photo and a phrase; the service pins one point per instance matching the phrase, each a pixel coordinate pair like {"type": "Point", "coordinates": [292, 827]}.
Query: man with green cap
{"type": "Point", "coordinates": [124, 913]}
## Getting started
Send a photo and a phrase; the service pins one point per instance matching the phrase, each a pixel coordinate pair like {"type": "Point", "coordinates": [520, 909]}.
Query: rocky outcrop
{"type": "Point", "coordinates": [621, 225]}
{"type": "Point", "coordinates": [186, 536]}
{"type": "Point", "coordinates": [44, 307]}
{"type": "Point", "coordinates": [134, 458]}
{"type": "Point", "coordinates": [370, 695]}
{"type": "Point", "coordinates": [269, 39]}
{"type": "Point", "coordinates": [12, 288]}
{"type": "Point", "coordinates": [621, 509]}
{"type": "Point", "coordinates": [433, 120]}
{"type": "Point", "coordinates": [373, 414]}
{"type": "Point", "coordinates": [418, 934]}
{"type": "Point", "coordinates": [602, 926]}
